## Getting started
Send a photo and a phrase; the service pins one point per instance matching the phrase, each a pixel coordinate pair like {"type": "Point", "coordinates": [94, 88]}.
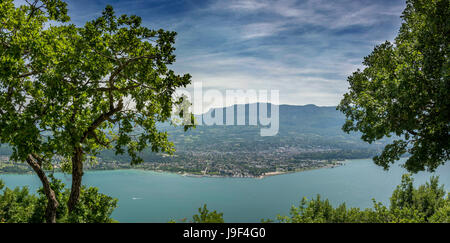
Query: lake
{"type": "Point", "coordinates": [146, 196]}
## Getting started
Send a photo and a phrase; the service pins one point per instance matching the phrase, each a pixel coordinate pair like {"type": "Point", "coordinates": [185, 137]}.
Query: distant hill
{"type": "Point", "coordinates": [307, 131]}
{"type": "Point", "coordinates": [301, 126]}
{"type": "Point", "coordinates": [307, 126]}
{"type": "Point", "coordinates": [309, 137]}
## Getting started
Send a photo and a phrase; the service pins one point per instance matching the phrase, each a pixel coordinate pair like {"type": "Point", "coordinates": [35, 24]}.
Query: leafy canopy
{"type": "Point", "coordinates": [19, 206]}
{"type": "Point", "coordinates": [66, 89]}
{"type": "Point", "coordinates": [404, 90]}
{"type": "Point", "coordinates": [206, 216]}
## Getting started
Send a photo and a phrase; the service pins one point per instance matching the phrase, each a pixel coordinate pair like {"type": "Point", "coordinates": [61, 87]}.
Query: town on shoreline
{"type": "Point", "coordinates": [9, 167]}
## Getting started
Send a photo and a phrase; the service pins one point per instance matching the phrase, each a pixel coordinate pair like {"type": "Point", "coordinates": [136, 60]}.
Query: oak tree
{"type": "Point", "coordinates": [404, 90]}
{"type": "Point", "coordinates": [68, 92]}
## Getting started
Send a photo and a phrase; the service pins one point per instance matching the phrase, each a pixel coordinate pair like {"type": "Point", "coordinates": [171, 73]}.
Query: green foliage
{"type": "Point", "coordinates": [404, 89]}
{"type": "Point", "coordinates": [68, 92]}
{"type": "Point", "coordinates": [93, 207]}
{"type": "Point", "coordinates": [205, 216]}
{"type": "Point", "coordinates": [25, 53]}
{"type": "Point", "coordinates": [64, 88]}
{"type": "Point", "coordinates": [426, 204]}
{"type": "Point", "coordinates": [16, 206]}
{"type": "Point", "coordinates": [19, 206]}
{"type": "Point", "coordinates": [426, 200]}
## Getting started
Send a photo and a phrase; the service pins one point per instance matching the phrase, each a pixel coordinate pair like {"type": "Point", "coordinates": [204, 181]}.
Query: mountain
{"type": "Point", "coordinates": [309, 136]}
{"type": "Point", "coordinates": [306, 126]}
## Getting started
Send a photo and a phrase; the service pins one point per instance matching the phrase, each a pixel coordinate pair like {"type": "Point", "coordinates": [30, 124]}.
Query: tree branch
{"type": "Point", "coordinates": [35, 163]}
{"type": "Point", "coordinates": [105, 89]}
{"type": "Point", "coordinates": [94, 135]}
{"type": "Point", "coordinates": [101, 119]}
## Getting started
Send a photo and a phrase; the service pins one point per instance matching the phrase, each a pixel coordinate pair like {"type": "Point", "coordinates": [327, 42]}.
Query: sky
{"type": "Point", "coordinates": [306, 49]}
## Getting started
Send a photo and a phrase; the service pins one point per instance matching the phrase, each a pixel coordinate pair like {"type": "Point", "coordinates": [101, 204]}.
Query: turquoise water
{"type": "Point", "coordinates": [146, 196]}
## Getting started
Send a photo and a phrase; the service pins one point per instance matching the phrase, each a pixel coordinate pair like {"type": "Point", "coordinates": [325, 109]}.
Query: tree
{"type": "Point", "coordinates": [16, 206]}
{"type": "Point", "coordinates": [25, 50]}
{"type": "Point", "coordinates": [205, 216]}
{"type": "Point", "coordinates": [68, 92]}
{"type": "Point", "coordinates": [404, 88]}
{"type": "Point", "coordinates": [19, 206]}
{"type": "Point", "coordinates": [93, 207]}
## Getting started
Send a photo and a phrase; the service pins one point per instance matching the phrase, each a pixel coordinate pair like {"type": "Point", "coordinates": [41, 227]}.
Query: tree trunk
{"type": "Point", "coordinates": [77, 174]}
{"type": "Point", "coordinates": [52, 203]}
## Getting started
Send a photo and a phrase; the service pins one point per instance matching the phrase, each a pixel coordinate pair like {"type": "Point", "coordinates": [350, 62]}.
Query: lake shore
{"type": "Point", "coordinates": [267, 174]}
{"type": "Point", "coordinates": [150, 196]}
{"type": "Point", "coordinates": [186, 174]}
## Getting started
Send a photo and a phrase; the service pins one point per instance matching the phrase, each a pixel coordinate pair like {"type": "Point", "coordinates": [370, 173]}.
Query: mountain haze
{"type": "Point", "coordinates": [309, 136]}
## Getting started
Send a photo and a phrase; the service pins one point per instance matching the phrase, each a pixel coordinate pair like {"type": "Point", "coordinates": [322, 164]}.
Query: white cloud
{"type": "Point", "coordinates": [256, 30]}
{"type": "Point", "coordinates": [297, 84]}
{"type": "Point", "coordinates": [246, 5]}
{"type": "Point", "coordinates": [330, 14]}
{"type": "Point", "coordinates": [305, 49]}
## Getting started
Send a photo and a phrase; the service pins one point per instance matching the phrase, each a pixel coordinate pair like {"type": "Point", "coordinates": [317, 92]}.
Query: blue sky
{"type": "Point", "coordinates": [305, 49]}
